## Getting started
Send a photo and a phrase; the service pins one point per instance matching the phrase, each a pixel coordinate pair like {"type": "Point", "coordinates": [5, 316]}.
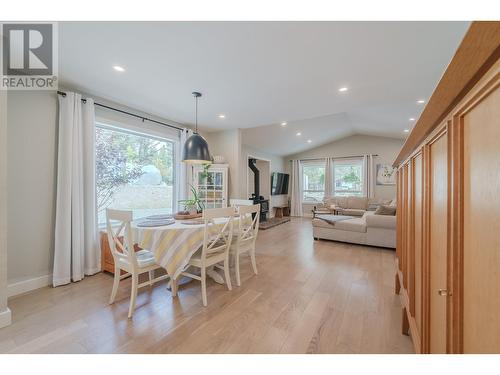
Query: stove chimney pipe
{"type": "Point", "coordinates": [256, 180]}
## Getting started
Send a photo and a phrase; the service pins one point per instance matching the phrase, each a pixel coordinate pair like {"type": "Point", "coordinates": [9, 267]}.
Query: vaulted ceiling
{"type": "Point", "coordinates": [260, 74]}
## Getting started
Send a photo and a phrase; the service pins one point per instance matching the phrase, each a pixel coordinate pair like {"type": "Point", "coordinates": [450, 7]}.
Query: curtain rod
{"type": "Point", "coordinates": [63, 94]}
{"type": "Point", "coordinates": [336, 157]}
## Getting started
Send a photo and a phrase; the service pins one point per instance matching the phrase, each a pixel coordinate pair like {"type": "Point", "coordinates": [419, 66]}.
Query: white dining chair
{"type": "Point", "coordinates": [134, 263]}
{"type": "Point", "coordinates": [248, 228]}
{"type": "Point", "coordinates": [240, 202]}
{"type": "Point", "coordinates": [217, 236]}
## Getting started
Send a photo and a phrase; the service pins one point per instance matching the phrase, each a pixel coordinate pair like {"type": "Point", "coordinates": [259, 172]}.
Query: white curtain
{"type": "Point", "coordinates": [185, 173]}
{"type": "Point", "coordinates": [76, 247]}
{"type": "Point", "coordinates": [296, 198]}
{"type": "Point", "coordinates": [328, 178]}
{"type": "Point", "coordinates": [369, 176]}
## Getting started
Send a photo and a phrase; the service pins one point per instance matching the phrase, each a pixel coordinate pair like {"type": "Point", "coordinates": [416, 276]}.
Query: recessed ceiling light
{"type": "Point", "coordinates": [283, 123]}
{"type": "Point", "coordinates": [222, 115]}
{"type": "Point", "coordinates": [298, 134]}
{"type": "Point", "coordinates": [118, 68]}
{"type": "Point", "coordinates": [412, 119]}
{"type": "Point", "coordinates": [309, 141]}
{"type": "Point", "coordinates": [406, 130]}
{"type": "Point", "coordinates": [343, 89]}
{"type": "Point", "coordinates": [421, 101]}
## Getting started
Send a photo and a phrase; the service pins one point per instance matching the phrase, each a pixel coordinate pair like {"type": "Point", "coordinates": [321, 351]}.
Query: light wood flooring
{"type": "Point", "coordinates": [309, 297]}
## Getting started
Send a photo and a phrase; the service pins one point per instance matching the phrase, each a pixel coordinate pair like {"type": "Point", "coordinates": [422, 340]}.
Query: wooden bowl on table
{"type": "Point", "coordinates": [187, 216]}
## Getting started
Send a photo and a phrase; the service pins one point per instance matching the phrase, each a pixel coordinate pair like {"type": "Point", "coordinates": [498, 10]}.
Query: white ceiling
{"type": "Point", "coordinates": [261, 73]}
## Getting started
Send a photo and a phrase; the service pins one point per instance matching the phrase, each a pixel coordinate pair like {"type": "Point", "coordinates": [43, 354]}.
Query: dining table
{"type": "Point", "coordinates": [173, 245]}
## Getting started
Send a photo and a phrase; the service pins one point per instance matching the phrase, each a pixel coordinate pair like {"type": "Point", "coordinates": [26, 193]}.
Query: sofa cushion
{"type": "Point", "coordinates": [333, 219]}
{"type": "Point", "coordinates": [358, 203]}
{"type": "Point", "coordinates": [380, 221]}
{"type": "Point", "coordinates": [379, 201]}
{"type": "Point", "coordinates": [352, 212]}
{"type": "Point", "coordinates": [386, 210]}
{"type": "Point", "coordinates": [328, 201]}
{"type": "Point", "coordinates": [337, 201]}
{"type": "Point", "coordinates": [321, 223]}
{"type": "Point", "coordinates": [352, 225]}
{"type": "Point", "coordinates": [374, 203]}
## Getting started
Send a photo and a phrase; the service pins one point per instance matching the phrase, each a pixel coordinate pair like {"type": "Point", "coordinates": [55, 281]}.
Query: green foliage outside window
{"type": "Point", "coordinates": [352, 176]}
{"type": "Point", "coordinates": [120, 157]}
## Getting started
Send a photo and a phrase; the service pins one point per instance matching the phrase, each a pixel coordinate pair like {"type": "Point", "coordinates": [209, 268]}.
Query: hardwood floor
{"type": "Point", "coordinates": [309, 297]}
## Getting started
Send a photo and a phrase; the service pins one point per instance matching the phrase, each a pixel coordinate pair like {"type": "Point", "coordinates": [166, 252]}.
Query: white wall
{"type": "Point", "coordinates": [277, 164]}
{"type": "Point", "coordinates": [32, 168]}
{"type": "Point", "coordinates": [227, 143]}
{"type": "Point", "coordinates": [32, 153]}
{"type": "Point", "coordinates": [386, 148]}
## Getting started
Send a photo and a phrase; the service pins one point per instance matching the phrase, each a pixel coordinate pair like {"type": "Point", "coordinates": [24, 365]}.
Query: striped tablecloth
{"type": "Point", "coordinates": [173, 245]}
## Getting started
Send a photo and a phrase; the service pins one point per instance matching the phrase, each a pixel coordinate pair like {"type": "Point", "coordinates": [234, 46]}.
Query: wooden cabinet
{"type": "Point", "coordinates": [480, 250]}
{"type": "Point", "coordinates": [448, 242]}
{"type": "Point", "coordinates": [417, 242]}
{"type": "Point", "coordinates": [107, 261]}
{"type": "Point", "coordinates": [437, 246]}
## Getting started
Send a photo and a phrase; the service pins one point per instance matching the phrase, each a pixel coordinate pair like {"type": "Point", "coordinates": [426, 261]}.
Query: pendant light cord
{"type": "Point", "coordinates": [196, 114]}
{"type": "Point", "coordinates": [196, 96]}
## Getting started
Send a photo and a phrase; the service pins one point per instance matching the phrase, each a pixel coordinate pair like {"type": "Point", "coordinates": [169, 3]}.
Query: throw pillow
{"type": "Point", "coordinates": [357, 203]}
{"type": "Point", "coordinates": [385, 210]}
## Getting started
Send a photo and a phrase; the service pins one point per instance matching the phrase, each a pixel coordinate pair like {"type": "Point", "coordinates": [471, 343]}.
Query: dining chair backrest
{"type": "Point", "coordinates": [218, 231]}
{"type": "Point", "coordinates": [121, 244]}
{"type": "Point", "coordinates": [248, 224]}
{"type": "Point", "coordinates": [240, 202]}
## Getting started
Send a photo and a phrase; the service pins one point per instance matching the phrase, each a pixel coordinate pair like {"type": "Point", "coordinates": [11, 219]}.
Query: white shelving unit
{"type": "Point", "coordinates": [213, 188]}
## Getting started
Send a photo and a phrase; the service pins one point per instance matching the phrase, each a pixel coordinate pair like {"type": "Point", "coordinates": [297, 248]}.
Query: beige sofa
{"type": "Point", "coordinates": [369, 229]}
{"type": "Point", "coordinates": [351, 206]}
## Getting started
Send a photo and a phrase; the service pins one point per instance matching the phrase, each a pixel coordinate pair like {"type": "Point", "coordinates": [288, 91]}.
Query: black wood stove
{"type": "Point", "coordinates": [256, 197]}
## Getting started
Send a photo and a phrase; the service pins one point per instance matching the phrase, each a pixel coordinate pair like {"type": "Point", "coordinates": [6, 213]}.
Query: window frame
{"type": "Point", "coordinates": [313, 163]}
{"type": "Point", "coordinates": [147, 133]}
{"type": "Point", "coordinates": [348, 193]}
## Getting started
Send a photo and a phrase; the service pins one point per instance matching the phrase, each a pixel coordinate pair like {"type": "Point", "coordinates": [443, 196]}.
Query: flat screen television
{"type": "Point", "coordinates": [279, 183]}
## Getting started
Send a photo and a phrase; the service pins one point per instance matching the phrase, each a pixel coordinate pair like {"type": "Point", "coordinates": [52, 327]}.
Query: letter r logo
{"type": "Point", "coordinates": [27, 49]}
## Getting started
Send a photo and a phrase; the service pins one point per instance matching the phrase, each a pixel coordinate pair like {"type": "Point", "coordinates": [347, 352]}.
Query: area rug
{"type": "Point", "coordinates": [273, 222]}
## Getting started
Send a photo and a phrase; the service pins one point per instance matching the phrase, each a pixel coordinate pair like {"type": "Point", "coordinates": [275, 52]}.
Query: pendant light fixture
{"type": "Point", "coordinates": [196, 147]}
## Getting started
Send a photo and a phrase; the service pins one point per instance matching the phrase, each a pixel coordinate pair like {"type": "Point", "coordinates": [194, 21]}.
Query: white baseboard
{"type": "Point", "coordinates": [28, 285]}
{"type": "Point", "coordinates": [5, 318]}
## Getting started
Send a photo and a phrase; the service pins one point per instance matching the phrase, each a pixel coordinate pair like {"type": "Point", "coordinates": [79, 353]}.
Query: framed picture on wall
{"type": "Point", "coordinates": [386, 174]}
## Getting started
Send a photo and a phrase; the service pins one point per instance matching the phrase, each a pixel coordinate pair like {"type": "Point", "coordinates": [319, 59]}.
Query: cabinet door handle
{"type": "Point", "coordinates": [444, 292]}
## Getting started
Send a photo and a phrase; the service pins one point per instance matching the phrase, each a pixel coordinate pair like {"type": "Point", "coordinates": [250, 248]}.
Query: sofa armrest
{"type": "Point", "coordinates": [381, 221]}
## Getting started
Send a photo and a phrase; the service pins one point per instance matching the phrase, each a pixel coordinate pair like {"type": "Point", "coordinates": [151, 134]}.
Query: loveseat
{"type": "Point", "coordinates": [369, 229]}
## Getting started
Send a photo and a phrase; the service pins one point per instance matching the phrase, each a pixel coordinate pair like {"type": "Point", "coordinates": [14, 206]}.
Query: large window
{"type": "Point", "coordinates": [134, 171]}
{"type": "Point", "coordinates": [348, 177]}
{"type": "Point", "coordinates": [313, 179]}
